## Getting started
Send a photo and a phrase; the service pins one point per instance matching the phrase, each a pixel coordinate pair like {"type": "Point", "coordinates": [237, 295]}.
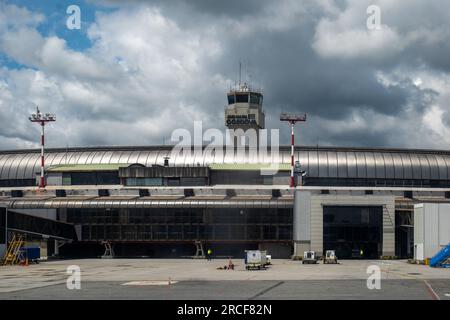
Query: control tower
{"type": "Point", "coordinates": [244, 110]}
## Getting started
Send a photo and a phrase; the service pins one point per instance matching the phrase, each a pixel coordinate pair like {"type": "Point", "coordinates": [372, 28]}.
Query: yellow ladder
{"type": "Point", "coordinates": [13, 253]}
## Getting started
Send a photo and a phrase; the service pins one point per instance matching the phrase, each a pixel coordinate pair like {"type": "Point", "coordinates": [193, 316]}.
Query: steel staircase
{"type": "Point", "coordinates": [14, 253]}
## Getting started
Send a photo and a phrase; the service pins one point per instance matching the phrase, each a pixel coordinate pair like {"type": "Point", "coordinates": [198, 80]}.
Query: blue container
{"type": "Point", "coordinates": [32, 253]}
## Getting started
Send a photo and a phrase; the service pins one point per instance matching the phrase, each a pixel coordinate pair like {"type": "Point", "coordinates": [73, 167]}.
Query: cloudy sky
{"type": "Point", "coordinates": [134, 72]}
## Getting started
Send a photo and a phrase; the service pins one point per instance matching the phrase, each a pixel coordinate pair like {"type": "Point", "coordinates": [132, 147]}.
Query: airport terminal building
{"type": "Point", "coordinates": [144, 203]}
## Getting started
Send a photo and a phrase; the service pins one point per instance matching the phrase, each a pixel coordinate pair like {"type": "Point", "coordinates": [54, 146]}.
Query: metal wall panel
{"type": "Point", "coordinates": [407, 166]}
{"type": "Point", "coordinates": [49, 159]}
{"type": "Point", "coordinates": [28, 171]}
{"type": "Point", "coordinates": [415, 165]}
{"type": "Point", "coordinates": [434, 170]}
{"type": "Point", "coordinates": [209, 156]}
{"type": "Point", "coordinates": [380, 169]}
{"type": "Point", "coordinates": [397, 163]}
{"type": "Point", "coordinates": [106, 157]}
{"type": "Point", "coordinates": [313, 168]}
{"type": "Point", "coordinates": [323, 164]}
{"type": "Point", "coordinates": [332, 164]}
{"type": "Point", "coordinates": [361, 166]}
{"type": "Point", "coordinates": [13, 166]}
{"type": "Point", "coordinates": [152, 157]}
{"type": "Point", "coordinates": [134, 157]}
{"type": "Point", "coordinates": [124, 157]}
{"type": "Point", "coordinates": [425, 166]}
{"type": "Point", "coordinates": [115, 157]}
{"type": "Point", "coordinates": [35, 166]}
{"type": "Point", "coordinates": [166, 153]}
{"type": "Point", "coordinates": [351, 165]}
{"type": "Point", "coordinates": [21, 170]}
{"type": "Point", "coordinates": [142, 159]}
{"type": "Point", "coordinates": [59, 158]}
{"type": "Point", "coordinates": [302, 157]}
{"type": "Point", "coordinates": [90, 158]}
{"type": "Point", "coordinates": [388, 165]}
{"type": "Point", "coordinates": [342, 165]}
{"type": "Point", "coordinates": [3, 161]}
{"type": "Point", "coordinates": [370, 165]}
{"type": "Point", "coordinates": [4, 169]}
{"type": "Point", "coordinates": [71, 157]}
{"type": "Point", "coordinates": [83, 157]}
{"type": "Point", "coordinates": [96, 157]}
{"type": "Point", "coordinates": [442, 167]}
{"type": "Point", "coordinates": [446, 158]}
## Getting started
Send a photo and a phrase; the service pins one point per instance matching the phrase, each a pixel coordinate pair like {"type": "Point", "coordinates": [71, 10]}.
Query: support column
{"type": "Point", "coordinates": [292, 182]}
{"type": "Point", "coordinates": [109, 250]}
{"type": "Point", "coordinates": [388, 246]}
{"type": "Point", "coordinates": [42, 180]}
{"type": "Point", "coordinates": [56, 252]}
{"type": "Point", "coordinates": [301, 234]}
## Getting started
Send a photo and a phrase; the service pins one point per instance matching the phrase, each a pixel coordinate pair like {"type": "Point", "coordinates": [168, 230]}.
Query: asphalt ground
{"type": "Point", "coordinates": [186, 279]}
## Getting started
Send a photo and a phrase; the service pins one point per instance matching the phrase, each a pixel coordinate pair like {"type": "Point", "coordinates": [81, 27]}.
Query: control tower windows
{"type": "Point", "coordinates": [242, 98]}
{"type": "Point", "coordinates": [231, 99]}
{"type": "Point", "coordinates": [255, 99]}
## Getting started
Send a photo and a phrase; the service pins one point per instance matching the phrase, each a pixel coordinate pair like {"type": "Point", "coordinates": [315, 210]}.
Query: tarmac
{"type": "Point", "coordinates": [165, 279]}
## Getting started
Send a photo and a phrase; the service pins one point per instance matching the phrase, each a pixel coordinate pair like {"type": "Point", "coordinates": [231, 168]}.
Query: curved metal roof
{"type": "Point", "coordinates": [324, 162]}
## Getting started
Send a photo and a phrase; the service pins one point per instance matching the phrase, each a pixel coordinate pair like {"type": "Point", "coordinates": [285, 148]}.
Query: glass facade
{"type": "Point", "coordinates": [17, 182]}
{"type": "Point", "coordinates": [92, 178]}
{"type": "Point", "coordinates": [353, 231]}
{"type": "Point", "coordinates": [40, 226]}
{"type": "Point", "coordinates": [2, 225]}
{"type": "Point", "coordinates": [256, 99]}
{"type": "Point", "coordinates": [419, 183]}
{"type": "Point", "coordinates": [242, 98]}
{"type": "Point", "coordinates": [183, 224]}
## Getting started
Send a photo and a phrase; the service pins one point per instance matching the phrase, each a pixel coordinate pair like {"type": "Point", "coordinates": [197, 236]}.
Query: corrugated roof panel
{"type": "Point", "coordinates": [319, 162]}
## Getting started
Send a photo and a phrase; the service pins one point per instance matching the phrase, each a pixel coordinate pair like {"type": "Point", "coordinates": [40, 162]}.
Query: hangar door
{"type": "Point", "coordinates": [354, 232]}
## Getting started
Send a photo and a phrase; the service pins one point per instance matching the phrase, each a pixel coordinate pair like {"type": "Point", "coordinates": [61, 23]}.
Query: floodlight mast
{"type": "Point", "coordinates": [292, 119]}
{"type": "Point", "coordinates": [42, 119]}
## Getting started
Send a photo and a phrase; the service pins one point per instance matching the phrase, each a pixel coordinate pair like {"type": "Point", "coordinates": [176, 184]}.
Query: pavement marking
{"type": "Point", "coordinates": [266, 290]}
{"type": "Point", "coordinates": [433, 293]}
{"type": "Point", "coordinates": [149, 283]}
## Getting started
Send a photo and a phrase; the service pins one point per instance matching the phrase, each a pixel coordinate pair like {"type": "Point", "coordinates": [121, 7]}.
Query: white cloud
{"type": "Point", "coordinates": [157, 85]}
{"type": "Point", "coordinates": [346, 34]}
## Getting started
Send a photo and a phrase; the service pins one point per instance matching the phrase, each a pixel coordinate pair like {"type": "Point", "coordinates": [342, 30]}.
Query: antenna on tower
{"type": "Point", "coordinates": [240, 71]}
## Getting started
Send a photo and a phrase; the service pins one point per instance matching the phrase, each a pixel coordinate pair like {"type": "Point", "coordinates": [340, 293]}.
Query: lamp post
{"type": "Point", "coordinates": [42, 119]}
{"type": "Point", "coordinates": [292, 119]}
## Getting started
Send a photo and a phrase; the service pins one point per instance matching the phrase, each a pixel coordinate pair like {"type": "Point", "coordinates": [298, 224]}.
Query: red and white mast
{"type": "Point", "coordinates": [42, 119]}
{"type": "Point", "coordinates": [292, 119]}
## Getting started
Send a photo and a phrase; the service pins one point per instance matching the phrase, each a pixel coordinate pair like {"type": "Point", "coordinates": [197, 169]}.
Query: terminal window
{"type": "Point", "coordinates": [353, 231]}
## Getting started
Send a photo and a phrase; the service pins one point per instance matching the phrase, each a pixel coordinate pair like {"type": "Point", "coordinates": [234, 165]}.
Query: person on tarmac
{"type": "Point", "coordinates": [208, 254]}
